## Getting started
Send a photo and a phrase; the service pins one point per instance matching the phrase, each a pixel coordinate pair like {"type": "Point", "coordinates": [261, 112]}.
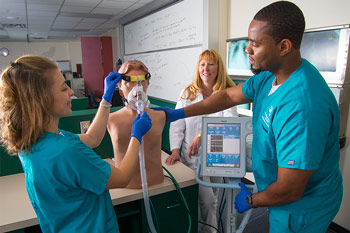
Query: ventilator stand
{"type": "Point", "coordinates": [231, 216]}
{"type": "Point", "coordinates": [232, 189]}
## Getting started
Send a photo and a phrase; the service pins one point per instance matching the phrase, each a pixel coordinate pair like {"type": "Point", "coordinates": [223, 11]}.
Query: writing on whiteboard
{"type": "Point", "coordinates": [177, 26]}
{"type": "Point", "coordinates": [171, 71]}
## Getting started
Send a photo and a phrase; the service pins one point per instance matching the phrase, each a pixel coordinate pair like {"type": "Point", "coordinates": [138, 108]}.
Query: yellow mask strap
{"type": "Point", "coordinates": [136, 77]}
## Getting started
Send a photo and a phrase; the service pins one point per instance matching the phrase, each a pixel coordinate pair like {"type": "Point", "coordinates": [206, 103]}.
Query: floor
{"type": "Point", "coordinates": [261, 224]}
{"type": "Point", "coordinates": [258, 222]}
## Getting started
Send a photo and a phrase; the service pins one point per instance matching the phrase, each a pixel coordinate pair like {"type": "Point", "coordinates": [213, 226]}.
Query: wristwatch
{"type": "Point", "coordinates": [249, 200]}
{"type": "Point", "coordinates": [199, 135]}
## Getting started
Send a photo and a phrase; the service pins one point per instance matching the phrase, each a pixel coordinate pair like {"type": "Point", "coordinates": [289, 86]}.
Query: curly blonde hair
{"type": "Point", "coordinates": [222, 80]}
{"type": "Point", "coordinates": [25, 101]}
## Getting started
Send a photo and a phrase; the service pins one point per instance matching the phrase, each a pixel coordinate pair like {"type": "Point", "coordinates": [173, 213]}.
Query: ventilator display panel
{"type": "Point", "coordinates": [223, 145]}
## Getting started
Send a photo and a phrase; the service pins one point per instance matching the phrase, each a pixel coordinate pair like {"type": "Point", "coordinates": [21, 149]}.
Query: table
{"type": "Point", "coordinates": [16, 211]}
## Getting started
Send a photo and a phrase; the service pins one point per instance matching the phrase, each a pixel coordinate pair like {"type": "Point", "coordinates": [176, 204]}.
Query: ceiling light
{"type": "Point", "coordinates": [85, 15]}
{"type": "Point", "coordinates": [12, 17]}
{"type": "Point", "coordinates": [14, 25]}
{"type": "Point", "coordinates": [36, 36]}
{"type": "Point", "coordinates": [4, 52]}
{"type": "Point", "coordinates": [69, 30]}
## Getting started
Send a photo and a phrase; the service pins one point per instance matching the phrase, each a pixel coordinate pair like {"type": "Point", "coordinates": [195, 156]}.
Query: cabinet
{"type": "Point", "coordinates": [97, 57]}
{"type": "Point", "coordinates": [170, 216]}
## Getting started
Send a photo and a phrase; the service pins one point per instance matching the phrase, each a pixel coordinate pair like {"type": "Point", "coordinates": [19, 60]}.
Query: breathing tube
{"type": "Point", "coordinates": [137, 100]}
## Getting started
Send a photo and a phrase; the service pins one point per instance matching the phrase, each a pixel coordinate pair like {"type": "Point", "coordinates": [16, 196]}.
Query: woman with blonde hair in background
{"type": "Point", "coordinates": [210, 77]}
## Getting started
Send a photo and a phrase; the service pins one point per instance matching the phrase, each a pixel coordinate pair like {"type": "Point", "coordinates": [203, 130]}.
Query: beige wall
{"type": "Point", "coordinates": [74, 54]}
{"type": "Point", "coordinates": [223, 27]}
{"type": "Point", "coordinates": [115, 45]}
{"type": "Point", "coordinates": [317, 14]}
{"type": "Point", "coordinates": [53, 50]}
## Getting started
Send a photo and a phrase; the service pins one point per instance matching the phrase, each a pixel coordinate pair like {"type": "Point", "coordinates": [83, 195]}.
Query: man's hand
{"type": "Point", "coordinates": [172, 114]}
{"type": "Point", "coordinates": [240, 199]}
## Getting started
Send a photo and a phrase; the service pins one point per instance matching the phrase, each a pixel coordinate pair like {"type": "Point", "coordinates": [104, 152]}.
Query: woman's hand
{"type": "Point", "coordinates": [97, 129]}
{"type": "Point", "coordinates": [110, 81]}
{"type": "Point", "coordinates": [175, 156]}
{"type": "Point", "coordinates": [141, 126]}
{"type": "Point", "coordinates": [194, 146]}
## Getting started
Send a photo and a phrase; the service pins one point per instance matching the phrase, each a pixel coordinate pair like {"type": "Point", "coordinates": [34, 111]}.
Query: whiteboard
{"type": "Point", "coordinates": [171, 71]}
{"type": "Point", "coordinates": [176, 26]}
{"type": "Point", "coordinates": [64, 66]}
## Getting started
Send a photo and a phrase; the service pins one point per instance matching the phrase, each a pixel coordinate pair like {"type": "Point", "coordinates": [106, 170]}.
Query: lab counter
{"type": "Point", "coordinates": [16, 211]}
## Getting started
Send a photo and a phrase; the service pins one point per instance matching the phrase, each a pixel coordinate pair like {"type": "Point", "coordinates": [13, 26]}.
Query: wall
{"type": "Point", "coordinates": [223, 27]}
{"type": "Point", "coordinates": [342, 217]}
{"type": "Point", "coordinates": [317, 14]}
{"type": "Point", "coordinates": [170, 40]}
{"type": "Point", "coordinates": [53, 50]}
{"type": "Point", "coordinates": [115, 45]}
{"type": "Point", "coordinates": [74, 49]}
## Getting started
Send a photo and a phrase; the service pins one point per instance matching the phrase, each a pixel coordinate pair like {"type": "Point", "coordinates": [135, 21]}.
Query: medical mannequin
{"type": "Point", "coordinates": [120, 122]}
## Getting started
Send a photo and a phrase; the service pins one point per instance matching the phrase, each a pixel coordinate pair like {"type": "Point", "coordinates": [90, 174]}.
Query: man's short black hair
{"type": "Point", "coordinates": [285, 20]}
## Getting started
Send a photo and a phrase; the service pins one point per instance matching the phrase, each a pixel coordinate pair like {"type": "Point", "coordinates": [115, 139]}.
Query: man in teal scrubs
{"type": "Point", "coordinates": [295, 153]}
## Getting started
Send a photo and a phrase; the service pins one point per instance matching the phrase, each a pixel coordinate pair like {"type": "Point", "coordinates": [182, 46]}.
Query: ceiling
{"type": "Point", "coordinates": [45, 20]}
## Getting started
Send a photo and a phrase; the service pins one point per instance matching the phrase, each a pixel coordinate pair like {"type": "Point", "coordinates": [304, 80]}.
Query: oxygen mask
{"type": "Point", "coordinates": [137, 98]}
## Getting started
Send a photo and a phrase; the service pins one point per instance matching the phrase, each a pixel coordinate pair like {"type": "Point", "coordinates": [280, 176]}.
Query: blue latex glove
{"type": "Point", "coordinates": [172, 114]}
{"type": "Point", "coordinates": [110, 81]}
{"type": "Point", "coordinates": [240, 199]}
{"type": "Point", "coordinates": [141, 126]}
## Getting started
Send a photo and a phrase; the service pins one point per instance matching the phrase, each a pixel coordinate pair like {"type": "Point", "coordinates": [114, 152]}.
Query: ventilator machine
{"type": "Point", "coordinates": [224, 154]}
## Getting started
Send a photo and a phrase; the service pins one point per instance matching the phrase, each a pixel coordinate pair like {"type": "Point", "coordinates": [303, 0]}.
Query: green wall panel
{"type": "Point", "coordinates": [80, 103]}
{"type": "Point", "coordinates": [71, 123]}
{"type": "Point", "coordinates": [11, 165]}
{"type": "Point", "coordinates": [165, 134]}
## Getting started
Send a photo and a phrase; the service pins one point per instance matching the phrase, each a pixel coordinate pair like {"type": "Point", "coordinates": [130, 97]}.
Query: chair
{"type": "Point", "coordinates": [117, 100]}
{"type": "Point", "coordinates": [93, 101]}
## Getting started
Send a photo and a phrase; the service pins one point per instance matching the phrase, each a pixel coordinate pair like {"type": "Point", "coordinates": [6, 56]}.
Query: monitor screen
{"type": "Point", "coordinates": [237, 59]}
{"type": "Point", "coordinates": [328, 50]}
{"type": "Point", "coordinates": [326, 58]}
{"type": "Point", "coordinates": [223, 143]}
{"type": "Point", "coordinates": [64, 66]}
{"type": "Point", "coordinates": [223, 146]}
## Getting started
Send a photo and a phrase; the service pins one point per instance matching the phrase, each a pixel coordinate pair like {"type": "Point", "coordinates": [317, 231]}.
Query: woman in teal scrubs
{"type": "Point", "coordinates": [67, 182]}
{"type": "Point", "coordinates": [295, 154]}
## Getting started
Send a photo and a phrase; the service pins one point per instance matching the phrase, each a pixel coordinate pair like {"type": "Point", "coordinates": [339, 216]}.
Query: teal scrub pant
{"type": "Point", "coordinates": [318, 221]}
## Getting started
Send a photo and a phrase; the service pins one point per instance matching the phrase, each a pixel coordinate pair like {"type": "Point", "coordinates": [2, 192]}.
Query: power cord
{"type": "Point", "coordinates": [184, 203]}
{"type": "Point", "coordinates": [221, 209]}
{"type": "Point", "coordinates": [102, 154]}
{"type": "Point", "coordinates": [155, 215]}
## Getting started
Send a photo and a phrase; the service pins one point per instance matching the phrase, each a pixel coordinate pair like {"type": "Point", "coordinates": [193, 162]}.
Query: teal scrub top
{"type": "Point", "coordinates": [297, 127]}
{"type": "Point", "coordinates": [66, 183]}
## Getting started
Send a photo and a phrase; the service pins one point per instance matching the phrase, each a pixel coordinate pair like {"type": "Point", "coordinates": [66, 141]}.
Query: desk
{"type": "Point", "coordinates": [80, 103]}
{"type": "Point", "coordinates": [16, 211]}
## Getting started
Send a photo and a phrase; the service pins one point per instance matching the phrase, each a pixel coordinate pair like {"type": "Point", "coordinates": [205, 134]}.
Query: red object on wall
{"type": "Point", "coordinates": [107, 54]}
{"type": "Point", "coordinates": [79, 71]}
{"type": "Point", "coordinates": [97, 57]}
